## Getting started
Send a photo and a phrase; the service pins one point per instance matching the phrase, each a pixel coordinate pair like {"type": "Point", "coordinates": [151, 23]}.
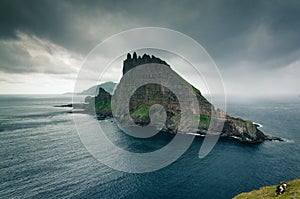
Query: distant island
{"type": "Point", "coordinates": [94, 90]}
{"type": "Point", "coordinates": [107, 86]}
{"type": "Point", "coordinates": [237, 128]}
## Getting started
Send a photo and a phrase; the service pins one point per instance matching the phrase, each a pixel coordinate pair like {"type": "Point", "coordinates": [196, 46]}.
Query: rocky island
{"type": "Point", "coordinates": [147, 95]}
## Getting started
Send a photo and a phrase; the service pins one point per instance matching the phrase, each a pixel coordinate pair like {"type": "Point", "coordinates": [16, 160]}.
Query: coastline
{"type": "Point", "coordinates": [79, 108]}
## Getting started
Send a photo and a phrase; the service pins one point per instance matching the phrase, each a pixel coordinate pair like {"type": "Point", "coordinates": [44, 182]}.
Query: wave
{"type": "Point", "coordinates": [257, 124]}
{"type": "Point", "coordinates": [288, 140]}
{"type": "Point", "coordinates": [196, 134]}
{"type": "Point", "coordinates": [235, 137]}
{"type": "Point", "coordinates": [41, 115]}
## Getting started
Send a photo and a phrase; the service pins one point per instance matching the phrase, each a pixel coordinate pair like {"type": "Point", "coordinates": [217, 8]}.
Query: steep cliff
{"type": "Point", "coordinates": [99, 104]}
{"type": "Point", "coordinates": [147, 95]}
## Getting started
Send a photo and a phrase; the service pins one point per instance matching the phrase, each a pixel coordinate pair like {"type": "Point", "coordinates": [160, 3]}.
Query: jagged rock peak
{"type": "Point", "coordinates": [103, 95]}
{"type": "Point", "coordinates": [134, 60]}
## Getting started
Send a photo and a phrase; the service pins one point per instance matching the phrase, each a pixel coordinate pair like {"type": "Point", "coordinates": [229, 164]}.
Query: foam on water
{"type": "Point", "coordinates": [258, 125]}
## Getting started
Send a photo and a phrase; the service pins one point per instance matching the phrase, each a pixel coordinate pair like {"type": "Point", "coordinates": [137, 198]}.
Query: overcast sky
{"type": "Point", "coordinates": [255, 44]}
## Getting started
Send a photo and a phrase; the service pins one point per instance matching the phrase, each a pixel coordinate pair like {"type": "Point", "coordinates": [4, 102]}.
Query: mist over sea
{"type": "Point", "coordinates": [41, 155]}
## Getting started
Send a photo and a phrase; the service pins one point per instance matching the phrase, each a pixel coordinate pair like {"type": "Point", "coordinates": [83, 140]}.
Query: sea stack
{"type": "Point", "coordinates": [147, 95]}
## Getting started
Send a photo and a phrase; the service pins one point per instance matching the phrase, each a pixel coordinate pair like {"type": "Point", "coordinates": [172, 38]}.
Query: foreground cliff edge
{"type": "Point", "coordinates": [237, 128]}
{"type": "Point", "coordinates": [292, 191]}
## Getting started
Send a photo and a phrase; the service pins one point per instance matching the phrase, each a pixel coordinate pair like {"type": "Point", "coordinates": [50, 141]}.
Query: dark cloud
{"type": "Point", "coordinates": [224, 28]}
{"type": "Point", "coordinates": [46, 19]}
{"type": "Point", "coordinates": [67, 23]}
{"type": "Point", "coordinates": [261, 35]}
{"type": "Point", "coordinates": [30, 54]}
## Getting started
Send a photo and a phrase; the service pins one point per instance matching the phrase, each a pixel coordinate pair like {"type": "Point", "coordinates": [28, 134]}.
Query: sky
{"type": "Point", "coordinates": [255, 44]}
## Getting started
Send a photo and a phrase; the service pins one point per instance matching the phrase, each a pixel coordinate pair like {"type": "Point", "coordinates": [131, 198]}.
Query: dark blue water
{"type": "Point", "coordinates": [42, 156]}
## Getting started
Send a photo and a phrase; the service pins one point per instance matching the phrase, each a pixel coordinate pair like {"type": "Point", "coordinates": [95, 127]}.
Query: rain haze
{"type": "Point", "coordinates": [255, 44]}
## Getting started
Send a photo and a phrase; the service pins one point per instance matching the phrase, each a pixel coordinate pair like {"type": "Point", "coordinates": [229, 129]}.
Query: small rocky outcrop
{"type": "Point", "coordinates": [99, 104]}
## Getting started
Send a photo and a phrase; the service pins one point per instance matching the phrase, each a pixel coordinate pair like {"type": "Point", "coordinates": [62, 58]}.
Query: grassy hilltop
{"type": "Point", "coordinates": [292, 192]}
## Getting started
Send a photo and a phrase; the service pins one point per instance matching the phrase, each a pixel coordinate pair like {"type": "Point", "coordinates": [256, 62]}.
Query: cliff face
{"type": "Point", "coordinates": [99, 104]}
{"type": "Point", "coordinates": [150, 94]}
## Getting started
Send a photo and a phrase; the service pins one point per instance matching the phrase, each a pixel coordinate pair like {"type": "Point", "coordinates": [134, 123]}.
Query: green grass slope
{"type": "Point", "coordinates": [292, 192]}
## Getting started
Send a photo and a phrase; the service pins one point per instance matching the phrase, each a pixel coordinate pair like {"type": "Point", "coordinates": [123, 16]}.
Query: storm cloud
{"type": "Point", "coordinates": [255, 43]}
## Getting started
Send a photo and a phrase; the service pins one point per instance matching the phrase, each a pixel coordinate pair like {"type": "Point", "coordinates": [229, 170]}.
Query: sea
{"type": "Point", "coordinates": [42, 156]}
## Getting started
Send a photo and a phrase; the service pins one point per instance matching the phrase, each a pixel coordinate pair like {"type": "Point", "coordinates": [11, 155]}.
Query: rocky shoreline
{"type": "Point", "coordinates": [201, 133]}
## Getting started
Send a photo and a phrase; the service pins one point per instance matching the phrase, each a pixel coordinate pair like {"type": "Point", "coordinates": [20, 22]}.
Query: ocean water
{"type": "Point", "coordinates": [41, 155]}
